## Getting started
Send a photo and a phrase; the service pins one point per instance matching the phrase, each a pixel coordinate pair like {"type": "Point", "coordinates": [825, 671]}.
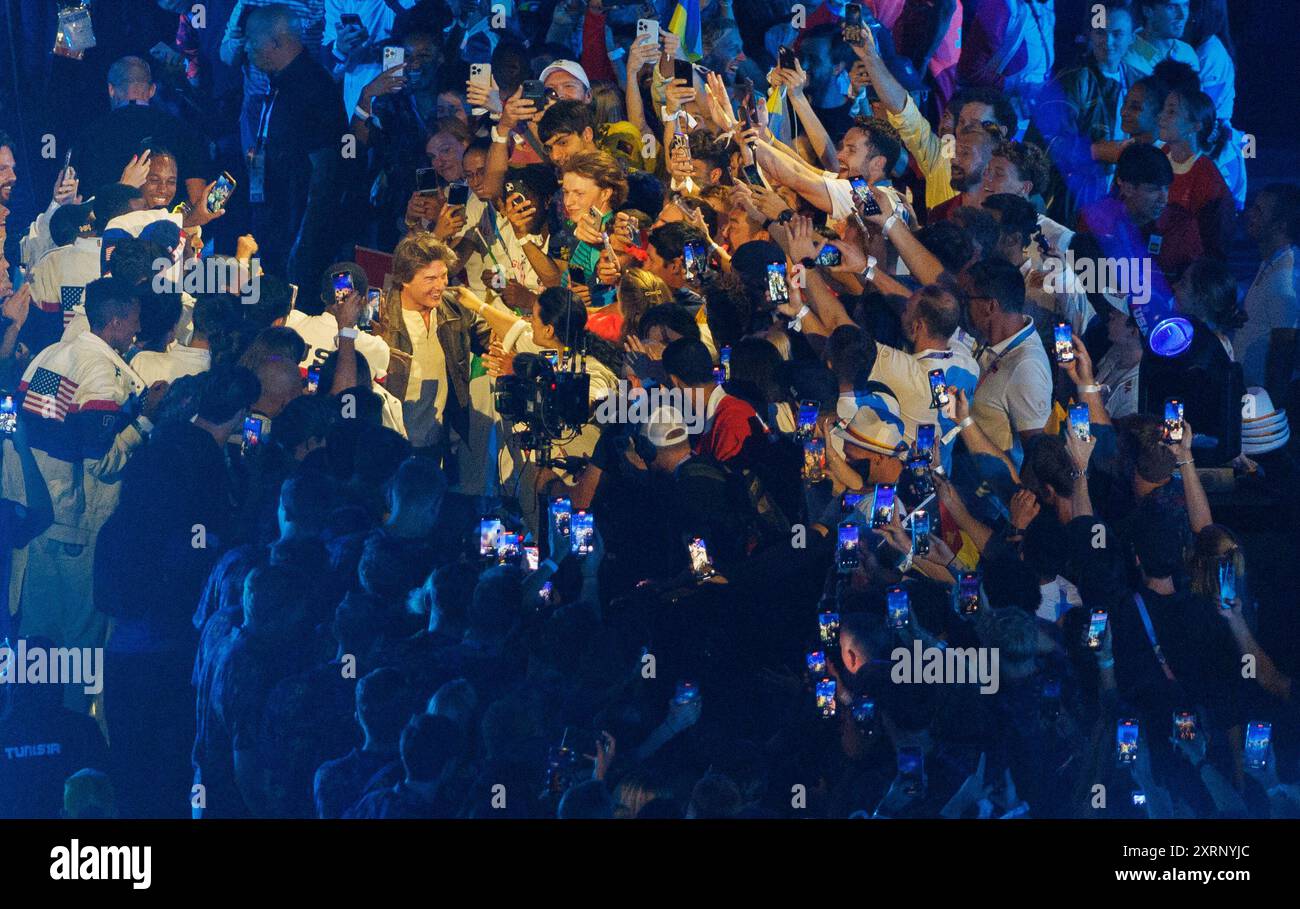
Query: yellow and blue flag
{"type": "Point", "coordinates": [686, 24]}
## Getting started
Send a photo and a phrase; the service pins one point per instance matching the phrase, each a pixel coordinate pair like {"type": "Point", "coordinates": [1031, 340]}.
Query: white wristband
{"type": "Point", "coordinates": [497, 137]}
{"type": "Point", "coordinates": [890, 222]}
{"type": "Point", "coordinates": [364, 115]}
{"type": "Point", "coordinates": [1090, 390]}
{"type": "Point", "coordinates": [966, 421]}
{"type": "Point", "coordinates": [797, 322]}
{"type": "Point", "coordinates": [350, 333]}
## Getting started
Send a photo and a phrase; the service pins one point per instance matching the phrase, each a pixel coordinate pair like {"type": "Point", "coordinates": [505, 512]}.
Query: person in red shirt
{"type": "Point", "coordinates": [724, 426]}
{"type": "Point", "coordinates": [1193, 139]}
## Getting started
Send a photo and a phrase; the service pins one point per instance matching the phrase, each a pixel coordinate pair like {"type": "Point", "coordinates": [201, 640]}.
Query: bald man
{"type": "Point", "coordinates": [110, 142]}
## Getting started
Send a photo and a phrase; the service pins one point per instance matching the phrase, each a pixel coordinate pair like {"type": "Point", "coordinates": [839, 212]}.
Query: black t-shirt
{"type": "Point", "coordinates": [40, 747]}
{"type": "Point", "coordinates": [109, 143]}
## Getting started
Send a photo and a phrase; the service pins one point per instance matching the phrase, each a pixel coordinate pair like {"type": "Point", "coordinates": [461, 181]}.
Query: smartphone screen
{"type": "Point", "coordinates": [777, 291]}
{"type": "Point", "coordinates": [313, 380]}
{"type": "Point", "coordinates": [808, 411]}
{"type": "Point", "coordinates": [898, 608]}
{"type": "Point", "coordinates": [1173, 420]}
{"type": "Point", "coordinates": [694, 261]}
{"type": "Point", "coordinates": [1227, 582]}
{"type": "Point", "coordinates": [1184, 726]}
{"type": "Point", "coordinates": [489, 532]}
{"type": "Point", "coordinates": [1080, 422]}
{"type": "Point", "coordinates": [1096, 628]}
{"type": "Point", "coordinates": [1126, 741]}
{"type": "Point", "coordinates": [863, 197]}
{"type": "Point", "coordinates": [816, 660]}
{"type": "Point", "coordinates": [863, 711]}
{"type": "Point", "coordinates": [938, 389]}
{"type": "Point", "coordinates": [220, 192]}
{"type": "Point", "coordinates": [828, 628]}
{"type": "Point", "coordinates": [814, 460]}
{"type": "Point", "coordinates": [724, 358]}
{"type": "Point", "coordinates": [882, 506]}
{"type": "Point", "coordinates": [561, 511]}
{"type": "Point", "coordinates": [686, 692]}
{"type": "Point", "coordinates": [925, 438]}
{"type": "Point", "coordinates": [846, 551]}
{"type": "Point", "coordinates": [252, 432]}
{"type": "Point", "coordinates": [849, 501]}
{"type": "Point", "coordinates": [826, 698]}
{"type": "Point", "coordinates": [8, 415]}
{"type": "Point", "coordinates": [531, 559]}
{"type": "Point", "coordinates": [829, 255]}
{"type": "Point", "coordinates": [1063, 337]}
{"type": "Point", "coordinates": [920, 520]}
{"type": "Point", "coordinates": [751, 174]}
{"type": "Point", "coordinates": [1258, 738]}
{"type": "Point", "coordinates": [343, 286]}
{"type": "Point", "coordinates": [457, 194]}
{"type": "Point", "coordinates": [967, 592]}
{"type": "Point", "coordinates": [370, 310]}
{"type": "Point", "coordinates": [584, 530]}
{"type": "Point", "coordinates": [701, 565]}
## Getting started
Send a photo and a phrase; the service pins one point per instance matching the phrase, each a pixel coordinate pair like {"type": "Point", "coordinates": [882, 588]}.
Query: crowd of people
{"type": "Point", "coordinates": [594, 410]}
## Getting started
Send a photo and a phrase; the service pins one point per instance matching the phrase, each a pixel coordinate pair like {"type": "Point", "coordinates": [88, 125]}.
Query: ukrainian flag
{"type": "Point", "coordinates": [685, 24]}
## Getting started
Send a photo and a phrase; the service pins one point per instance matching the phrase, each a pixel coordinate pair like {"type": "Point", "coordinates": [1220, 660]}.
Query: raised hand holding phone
{"type": "Point", "coordinates": [65, 189]}
{"type": "Point", "coordinates": [137, 170]}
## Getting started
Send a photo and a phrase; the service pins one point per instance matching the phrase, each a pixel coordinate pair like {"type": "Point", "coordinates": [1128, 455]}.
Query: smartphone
{"type": "Point", "coordinates": [426, 181]}
{"type": "Point", "coordinates": [816, 660]}
{"type": "Point", "coordinates": [807, 419]}
{"type": "Point", "coordinates": [531, 558]}
{"type": "Point", "coordinates": [8, 416]}
{"type": "Point", "coordinates": [846, 550]}
{"type": "Point", "coordinates": [918, 475]}
{"type": "Point", "coordinates": [719, 376]}
{"type": "Point", "coordinates": [1173, 431]}
{"type": "Point", "coordinates": [694, 261]}
{"type": "Point", "coordinates": [911, 770]}
{"type": "Point", "coordinates": [1080, 422]}
{"type": "Point", "coordinates": [221, 192]}
{"type": "Point", "coordinates": [1126, 741]}
{"type": "Point", "coordinates": [67, 165]}
{"type": "Point", "coordinates": [393, 56]}
{"type": "Point", "coordinates": [370, 310]}
{"type": "Point", "coordinates": [966, 595]}
{"type": "Point", "coordinates": [751, 175]}
{"type": "Point", "coordinates": [939, 396]}
{"type": "Point", "coordinates": [313, 380]}
{"type": "Point", "coordinates": [534, 90]}
{"type": "Point", "coordinates": [1063, 336]}
{"type": "Point", "coordinates": [457, 194]}
{"type": "Point", "coordinates": [851, 28]}
{"type": "Point", "coordinates": [1184, 726]}
{"type": "Point", "coordinates": [724, 358]}
{"type": "Point", "coordinates": [1258, 738]}
{"type": "Point", "coordinates": [546, 595]}
{"type": "Point", "coordinates": [681, 148]}
{"type": "Point", "coordinates": [701, 565]}
{"type": "Point", "coordinates": [584, 531]}
{"type": "Point", "coordinates": [863, 197]}
{"type": "Point", "coordinates": [1096, 629]}
{"type": "Point", "coordinates": [829, 255]}
{"type": "Point", "coordinates": [252, 432]}
{"type": "Point", "coordinates": [898, 607]}
{"type": "Point", "coordinates": [920, 521]}
{"type": "Point", "coordinates": [882, 506]}
{"type": "Point", "coordinates": [347, 19]}
{"type": "Point", "coordinates": [552, 357]}
{"type": "Point", "coordinates": [561, 512]}
{"type": "Point", "coordinates": [343, 286]}
{"type": "Point", "coordinates": [1139, 799]}
{"type": "Point", "coordinates": [489, 532]}
{"type": "Point", "coordinates": [849, 502]}
{"type": "Point", "coordinates": [925, 435]}
{"type": "Point", "coordinates": [777, 290]}
{"type": "Point", "coordinates": [647, 31]}
{"type": "Point", "coordinates": [828, 628]}
{"type": "Point", "coordinates": [683, 69]}
{"type": "Point", "coordinates": [481, 74]}
{"type": "Point", "coordinates": [577, 277]}
{"type": "Point", "coordinates": [826, 698]}
{"type": "Point", "coordinates": [785, 58]}
{"type": "Point", "coordinates": [814, 460]}
{"type": "Point", "coordinates": [863, 711]}
{"type": "Point", "coordinates": [1227, 582]}
{"type": "Point", "coordinates": [686, 692]}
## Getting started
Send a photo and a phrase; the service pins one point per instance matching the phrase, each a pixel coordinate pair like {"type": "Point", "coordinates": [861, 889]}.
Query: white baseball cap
{"type": "Point", "coordinates": [666, 427]}
{"type": "Point", "coordinates": [571, 67]}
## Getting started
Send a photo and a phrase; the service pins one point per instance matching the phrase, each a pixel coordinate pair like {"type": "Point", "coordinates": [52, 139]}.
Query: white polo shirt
{"type": "Point", "coordinates": [908, 380]}
{"type": "Point", "coordinates": [1014, 393]}
{"type": "Point", "coordinates": [321, 334]}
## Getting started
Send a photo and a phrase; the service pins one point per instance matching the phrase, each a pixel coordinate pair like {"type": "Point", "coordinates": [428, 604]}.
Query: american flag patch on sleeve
{"type": "Point", "coordinates": [70, 296]}
{"type": "Point", "coordinates": [48, 394]}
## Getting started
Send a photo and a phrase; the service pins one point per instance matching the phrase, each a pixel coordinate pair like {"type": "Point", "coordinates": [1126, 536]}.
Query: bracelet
{"type": "Point", "coordinates": [497, 137]}
{"type": "Point", "coordinates": [797, 322]}
{"type": "Point", "coordinates": [350, 333]}
{"type": "Point", "coordinates": [1183, 463]}
{"type": "Point", "coordinates": [890, 222]}
{"type": "Point", "coordinates": [1090, 390]}
{"type": "Point", "coordinates": [364, 115]}
{"type": "Point", "coordinates": [866, 277]}
{"type": "Point", "coordinates": [966, 421]}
